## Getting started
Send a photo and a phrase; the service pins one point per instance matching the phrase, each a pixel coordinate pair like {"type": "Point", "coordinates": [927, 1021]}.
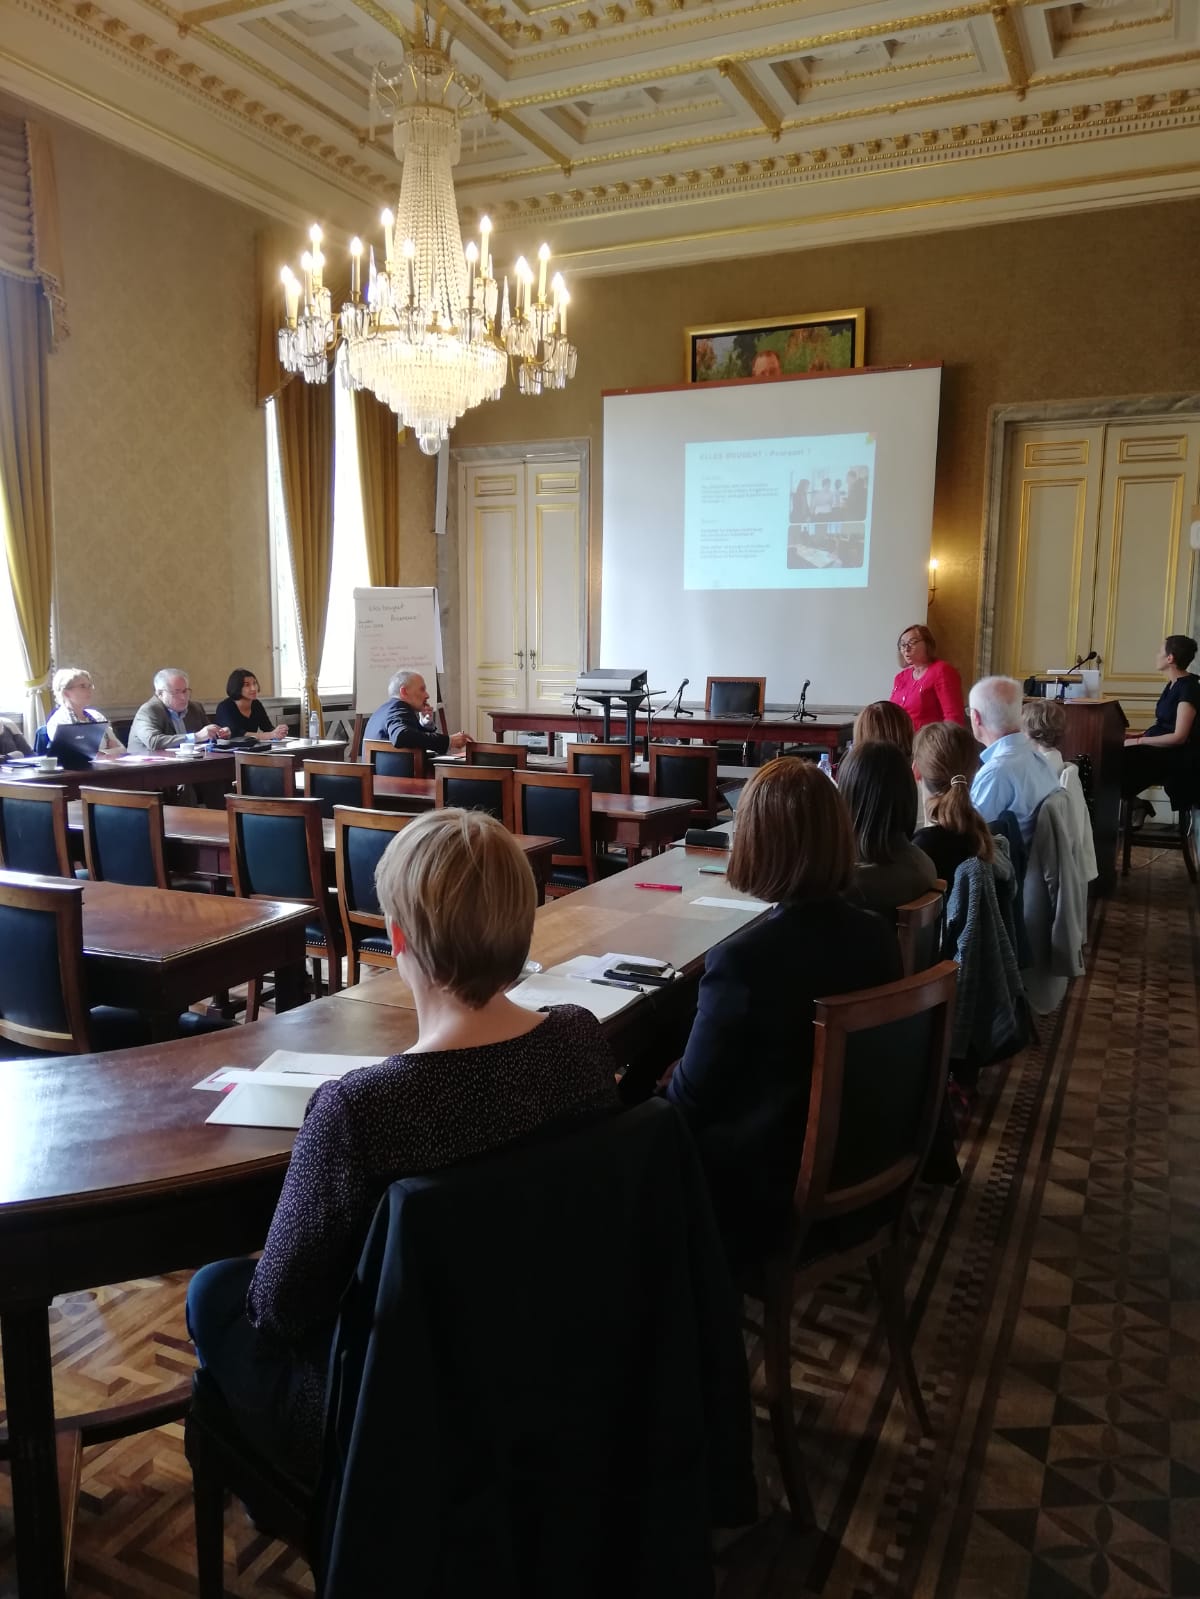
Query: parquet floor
{"type": "Point", "coordinates": [1055, 1303]}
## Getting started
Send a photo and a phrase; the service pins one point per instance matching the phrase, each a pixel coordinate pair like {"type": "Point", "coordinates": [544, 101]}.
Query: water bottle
{"type": "Point", "coordinates": [314, 726]}
{"type": "Point", "coordinates": [826, 767]}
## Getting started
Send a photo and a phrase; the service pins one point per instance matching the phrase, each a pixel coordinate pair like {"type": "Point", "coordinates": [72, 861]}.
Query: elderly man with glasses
{"type": "Point", "coordinates": [171, 717]}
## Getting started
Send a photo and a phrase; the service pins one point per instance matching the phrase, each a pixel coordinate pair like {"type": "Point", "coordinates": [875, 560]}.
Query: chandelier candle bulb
{"type": "Point", "coordinates": [389, 223]}
{"type": "Point", "coordinates": [291, 295]}
{"type": "Point", "coordinates": [355, 265]}
{"type": "Point", "coordinates": [543, 258]}
{"type": "Point", "coordinates": [485, 229]}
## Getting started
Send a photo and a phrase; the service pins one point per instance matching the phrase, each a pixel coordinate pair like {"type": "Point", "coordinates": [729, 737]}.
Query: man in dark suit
{"type": "Point", "coordinates": [401, 719]}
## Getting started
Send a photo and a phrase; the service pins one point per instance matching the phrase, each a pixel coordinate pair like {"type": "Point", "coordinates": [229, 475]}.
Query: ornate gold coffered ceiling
{"type": "Point", "coordinates": [645, 132]}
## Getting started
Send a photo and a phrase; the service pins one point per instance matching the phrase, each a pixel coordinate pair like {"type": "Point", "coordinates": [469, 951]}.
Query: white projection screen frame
{"type": "Point", "coordinates": [772, 529]}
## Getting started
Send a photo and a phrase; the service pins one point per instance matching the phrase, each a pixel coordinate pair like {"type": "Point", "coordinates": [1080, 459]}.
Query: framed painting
{"type": "Point", "coordinates": [776, 346]}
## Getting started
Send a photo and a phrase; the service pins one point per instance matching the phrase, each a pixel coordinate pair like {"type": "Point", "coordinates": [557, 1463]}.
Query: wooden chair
{"type": "Point", "coordinates": [559, 805]}
{"type": "Point", "coordinates": [514, 756]}
{"type": "Point", "coordinates": [919, 931]}
{"type": "Point", "coordinates": [879, 1072]}
{"type": "Point", "coordinates": [354, 748]}
{"type": "Point", "coordinates": [277, 848]}
{"type": "Point", "coordinates": [33, 829]}
{"type": "Point", "coordinates": [360, 838]}
{"type": "Point", "coordinates": [43, 990]}
{"type": "Point", "coordinates": [606, 764]}
{"type": "Point", "coordinates": [477, 788]}
{"type": "Point", "coordinates": [385, 760]}
{"type": "Point", "coordinates": [339, 783]}
{"type": "Point", "coordinates": [1183, 792]}
{"type": "Point", "coordinates": [124, 840]}
{"type": "Point", "coordinates": [687, 771]}
{"type": "Point", "coordinates": [265, 776]}
{"type": "Point", "coordinates": [734, 696]}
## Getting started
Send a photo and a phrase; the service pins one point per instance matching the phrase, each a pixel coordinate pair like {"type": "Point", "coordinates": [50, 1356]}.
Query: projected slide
{"type": "Point", "coordinates": [782, 513]}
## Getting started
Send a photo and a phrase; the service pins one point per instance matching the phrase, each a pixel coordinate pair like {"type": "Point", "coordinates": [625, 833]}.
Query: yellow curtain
{"type": "Point", "coordinates": [304, 412]}
{"type": "Point", "coordinates": [379, 472]}
{"type": "Point", "coordinates": [32, 315]}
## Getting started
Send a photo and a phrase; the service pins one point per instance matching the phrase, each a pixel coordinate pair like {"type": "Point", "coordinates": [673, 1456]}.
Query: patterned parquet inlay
{"type": "Point", "coordinates": [1055, 1304]}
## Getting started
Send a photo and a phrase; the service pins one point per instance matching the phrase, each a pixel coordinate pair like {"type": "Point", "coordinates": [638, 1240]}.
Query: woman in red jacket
{"type": "Point", "coordinates": [928, 689]}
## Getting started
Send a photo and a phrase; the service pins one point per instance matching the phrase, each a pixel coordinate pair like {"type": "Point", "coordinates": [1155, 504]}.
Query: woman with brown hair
{"type": "Point", "coordinates": [881, 722]}
{"type": "Point", "coordinates": [945, 759]}
{"type": "Point", "coordinates": [877, 784]}
{"type": "Point", "coordinates": [744, 1079]}
{"type": "Point", "coordinates": [930, 690]}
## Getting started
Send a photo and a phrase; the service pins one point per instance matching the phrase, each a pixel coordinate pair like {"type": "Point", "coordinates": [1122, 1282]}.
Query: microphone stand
{"type": "Point", "coordinates": [800, 714]}
{"type": "Point", "coordinates": [679, 705]}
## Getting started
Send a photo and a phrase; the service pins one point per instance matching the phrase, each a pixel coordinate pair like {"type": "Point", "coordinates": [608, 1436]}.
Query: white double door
{"type": "Point", "coordinates": [524, 580]}
{"type": "Point", "coordinates": [1094, 550]}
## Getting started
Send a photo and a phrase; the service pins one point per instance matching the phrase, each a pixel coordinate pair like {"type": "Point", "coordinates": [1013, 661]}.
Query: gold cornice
{"type": "Point", "coordinates": [1014, 191]}
{"type": "Point", "coordinates": [1010, 45]}
{"type": "Point", "coordinates": [322, 66]}
{"type": "Point", "coordinates": [223, 10]}
{"type": "Point", "coordinates": [741, 81]}
{"type": "Point", "coordinates": [764, 51]}
{"type": "Point", "coordinates": [358, 131]}
{"type": "Point", "coordinates": [562, 162]}
{"type": "Point", "coordinates": [1042, 80]}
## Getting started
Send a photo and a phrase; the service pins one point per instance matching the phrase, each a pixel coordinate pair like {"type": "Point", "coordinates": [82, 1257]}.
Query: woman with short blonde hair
{"type": "Point", "coordinates": [458, 897]}
{"type": "Point", "coordinates": [73, 687]}
{"type": "Point", "coordinates": [744, 1079]}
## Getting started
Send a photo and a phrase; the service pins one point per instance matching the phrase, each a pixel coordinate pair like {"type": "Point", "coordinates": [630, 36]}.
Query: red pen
{"type": "Point", "coordinates": [663, 888]}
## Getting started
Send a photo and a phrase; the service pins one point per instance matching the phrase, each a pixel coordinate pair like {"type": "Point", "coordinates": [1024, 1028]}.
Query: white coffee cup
{"type": "Point", "coordinates": [47, 763]}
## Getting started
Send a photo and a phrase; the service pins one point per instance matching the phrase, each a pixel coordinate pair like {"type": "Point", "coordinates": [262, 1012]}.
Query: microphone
{"type": "Point", "coordinates": [1084, 659]}
{"type": "Point", "coordinates": [679, 710]}
{"type": "Point", "coordinates": [800, 714]}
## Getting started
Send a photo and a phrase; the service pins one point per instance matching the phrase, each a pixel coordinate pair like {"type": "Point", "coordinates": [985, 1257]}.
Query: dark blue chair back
{"type": "Point", "coordinates": [31, 986]}
{"type": "Point", "coordinates": [395, 763]}
{"type": "Point", "coordinates": [332, 790]}
{"type": "Point", "coordinates": [274, 854]}
{"type": "Point", "coordinates": [28, 836]}
{"type": "Point", "coordinates": [120, 845]}
{"type": "Point", "coordinates": [41, 742]}
{"type": "Point", "coordinates": [364, 850]}
{"type": "Point", "coordinates": [506, 758]}
{"type": "Point", "coordinates": [682, 777]}
{"type": "Point", "coordinates": [474, 796]}
{"type": "Point", "coordinates": [266, 782]}
{"type": "Point", "coordinates": [553, 812]}
{"type": "Point", "coordinates": [604, 771]}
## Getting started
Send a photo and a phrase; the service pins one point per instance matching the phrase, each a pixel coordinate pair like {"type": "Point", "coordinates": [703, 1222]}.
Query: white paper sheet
{"type": "Point", "coordinates": [539, 992]}
{"type": "Point", "coordinates": [725, 903]}
{"type": "Point", "coordinates": [275, 1094]}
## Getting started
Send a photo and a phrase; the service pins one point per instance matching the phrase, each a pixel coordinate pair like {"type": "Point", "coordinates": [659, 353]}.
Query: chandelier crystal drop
{"type": "Point", "coordinates": [430, 332]}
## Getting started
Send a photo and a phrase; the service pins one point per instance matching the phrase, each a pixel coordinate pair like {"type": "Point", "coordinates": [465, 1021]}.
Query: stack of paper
{"type": "Point", "coordinates": [276, 1094]}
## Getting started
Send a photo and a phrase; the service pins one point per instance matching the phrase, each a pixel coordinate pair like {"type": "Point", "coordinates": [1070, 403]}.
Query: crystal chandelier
{"type": "Point", "coordinates": [431, 333]}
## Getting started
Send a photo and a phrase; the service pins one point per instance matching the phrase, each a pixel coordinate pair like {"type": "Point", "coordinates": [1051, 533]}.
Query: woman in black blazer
{"type": "Point", "coordinates": [744, 1079]}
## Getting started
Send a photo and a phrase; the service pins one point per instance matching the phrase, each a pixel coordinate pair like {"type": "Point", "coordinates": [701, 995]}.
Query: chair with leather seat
{"type": "Point", "coordinates": [124, 839]}
{"type": "Point", "coordinates": [385, 760]}
{"type": "Point", "coordinates": [879, 1074]}
{"type": "Point", "coordinates": [584, 1448]}
{"type": "Point", "coordinates": [514, 756]}
{"type": "Point", "coordinates": [360, 838]}
{"type": "Point", "coordinates": [265, 775]}
{"type": "Point", "coordinates": [919, 931]}
{"type": "Point", "coordinates": [606, 764]}
{"type": "Point", "coordinates": [1183, 794]}
{"type": "Point", "coordinates": [477, 788]}
{"type": "Point", "coordinates": [43, 990]}
{"type": "Point", "coordinates": [559, 805]}
{"type": "Point", "coordinates": [33, 829]}
{"type": "Point", "coordinates": [687, 771]}
{"type": "Point", "coordinates": [277, 847]}
{"type": "Point", "coordinates": [339, 783]}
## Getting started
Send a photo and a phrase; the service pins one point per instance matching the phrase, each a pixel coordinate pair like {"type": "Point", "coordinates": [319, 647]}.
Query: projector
{"type": "Point", "coordinates": [606, 680]}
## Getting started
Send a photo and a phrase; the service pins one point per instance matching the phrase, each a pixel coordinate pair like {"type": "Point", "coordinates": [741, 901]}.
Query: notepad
{"type": "Point", "coordinates": [546, 990]}
{"type": "Point", "coordinates": [724, 903]}
{"type": "Point", "coordinates": [276, 1093]}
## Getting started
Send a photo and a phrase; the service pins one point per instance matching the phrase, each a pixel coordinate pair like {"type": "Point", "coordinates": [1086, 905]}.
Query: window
{"type": "Point", "coordinates": [12, 656]}
{"type": "Point", "coordinates": [349, 557]}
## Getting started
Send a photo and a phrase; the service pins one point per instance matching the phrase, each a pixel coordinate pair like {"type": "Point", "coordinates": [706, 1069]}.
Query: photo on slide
{"type": "Point", "coordinates": [779, 513]}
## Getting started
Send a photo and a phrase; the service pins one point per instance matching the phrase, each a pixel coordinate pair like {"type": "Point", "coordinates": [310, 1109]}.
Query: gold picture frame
{"type": "Point", "coordinates": [778, 346]}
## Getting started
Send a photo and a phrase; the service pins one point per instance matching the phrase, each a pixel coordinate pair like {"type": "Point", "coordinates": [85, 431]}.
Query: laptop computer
{"type": "Point", "coordinates": [76, 744]}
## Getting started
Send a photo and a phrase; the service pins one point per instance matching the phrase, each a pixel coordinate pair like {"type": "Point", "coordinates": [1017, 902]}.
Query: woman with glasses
{"type": "Point", "coordinates": [929, 689]}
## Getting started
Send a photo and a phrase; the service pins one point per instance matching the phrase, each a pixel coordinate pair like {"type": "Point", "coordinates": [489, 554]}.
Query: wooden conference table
{"type": "Point", "coordinates": [198, 842]}
{"type": "Point", "coordinates": [155, 951]}
{"type": "Point", "coordinates": [163, 771]}
{"type": "Point", "coordinates": [114, 1174]}
{"type": "Point", "coordinates": [774, 728]}
{"type": "Point", "coordinates": [629, 821]}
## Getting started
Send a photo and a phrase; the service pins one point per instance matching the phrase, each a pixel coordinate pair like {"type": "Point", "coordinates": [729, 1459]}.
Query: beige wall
{"type": "Point", "coordinates": [158, 457]}
{"type": "Point", "coordinates": [1101, 303]}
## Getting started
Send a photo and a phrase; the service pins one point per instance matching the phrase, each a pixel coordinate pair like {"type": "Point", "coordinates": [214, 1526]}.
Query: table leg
{"type": "Point", "coordinates": [29, 1392]}
{"type": "Point", "coordinates": [291, 987]}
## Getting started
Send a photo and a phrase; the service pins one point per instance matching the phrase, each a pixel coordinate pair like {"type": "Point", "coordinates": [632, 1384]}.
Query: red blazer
{"type": "Point", "coordinates": [936, 696]}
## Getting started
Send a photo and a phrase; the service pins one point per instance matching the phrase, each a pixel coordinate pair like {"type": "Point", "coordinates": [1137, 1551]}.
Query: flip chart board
{"type": "Point", "coordinates": [395, 630]}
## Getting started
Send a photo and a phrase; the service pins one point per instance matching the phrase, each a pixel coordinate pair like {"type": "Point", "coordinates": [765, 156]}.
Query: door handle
{"type": "Point", "coordinates": [533, 657]}
{"type": "Point", "coordinates": [521, 659]}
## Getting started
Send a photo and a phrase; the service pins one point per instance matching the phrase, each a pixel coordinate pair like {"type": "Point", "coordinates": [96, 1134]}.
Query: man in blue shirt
{"type": "Point", "coordinates": [1012, 775]}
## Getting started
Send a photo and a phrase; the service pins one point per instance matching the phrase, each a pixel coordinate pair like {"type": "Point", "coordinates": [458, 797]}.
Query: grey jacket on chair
{"type": "Point", "coordinates": [989, 1012]}
{"type": "Point", "coordinates": [1055, 903]}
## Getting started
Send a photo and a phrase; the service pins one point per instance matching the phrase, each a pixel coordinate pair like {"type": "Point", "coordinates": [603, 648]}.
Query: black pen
{"type": "Point", "coordinates": [608, 982]}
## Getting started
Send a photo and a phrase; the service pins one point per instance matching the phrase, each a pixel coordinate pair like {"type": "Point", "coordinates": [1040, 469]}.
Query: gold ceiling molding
{"type": "Point", "coordinates": [1112, 69]}
{"type": "Point", "coordinates": [647, 37]}
{"type": "Point", "coordinates": [221, 12]}
{"type": "Point", "coordinates": [117, 37]}
{"type": "Point", "coordinates": [522, 131]}
{"type": "Point", "coordinates": [1010, 45]}
{"type": "Point", "coordinates": [322, 66]}
{"type": "Point", "coordinates": [900, 152]}
{"type": "Point", "coordinates": [1015, 191]}
{"type": "Point", "coordinates": [482, 47]}
{"type": "Point", "coordinates": [741, 81]}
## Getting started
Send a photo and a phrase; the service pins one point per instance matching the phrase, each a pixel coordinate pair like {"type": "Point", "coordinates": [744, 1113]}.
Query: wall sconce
{"type": "Point", "coordinates": [933, 571]}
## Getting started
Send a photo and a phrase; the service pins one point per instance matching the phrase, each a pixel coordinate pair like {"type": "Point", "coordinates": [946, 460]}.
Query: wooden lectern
{"type": "Point", "coordinates": [1096, 728]}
